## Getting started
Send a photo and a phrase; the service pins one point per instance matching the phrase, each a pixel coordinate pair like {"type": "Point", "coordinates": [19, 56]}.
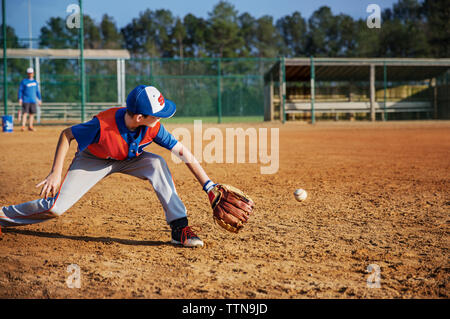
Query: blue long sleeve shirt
{"type": "Point", "coordinates": [29, 91]}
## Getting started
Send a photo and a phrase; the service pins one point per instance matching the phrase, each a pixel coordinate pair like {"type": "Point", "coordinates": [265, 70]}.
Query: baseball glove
{"type": "Point", "coordinates": [231, 207]}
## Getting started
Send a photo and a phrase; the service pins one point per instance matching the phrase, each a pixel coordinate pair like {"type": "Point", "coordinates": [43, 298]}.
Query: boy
{"type": "Point", "coordinates": [29, 95]}
{"type": "Point", "coordinates": [113, 142]}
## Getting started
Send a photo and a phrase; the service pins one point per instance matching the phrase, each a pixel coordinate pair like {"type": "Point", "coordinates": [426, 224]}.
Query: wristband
{"type": "Point", "coordinates": [208, 185]}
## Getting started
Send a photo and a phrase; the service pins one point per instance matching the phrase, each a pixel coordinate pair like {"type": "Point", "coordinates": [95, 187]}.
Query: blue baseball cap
{"type": "Point", "coordinates": [147, 100]}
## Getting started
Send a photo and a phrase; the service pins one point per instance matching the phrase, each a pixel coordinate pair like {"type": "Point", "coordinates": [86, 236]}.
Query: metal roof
{"type": "Point", "coordinates": [358, 69]}
{"type": "Point", "coordinates": [66, 54]}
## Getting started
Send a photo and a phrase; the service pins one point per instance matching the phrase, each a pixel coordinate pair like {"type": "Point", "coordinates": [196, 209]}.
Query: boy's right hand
{"type": "Point", "coordinates": [51, 183]}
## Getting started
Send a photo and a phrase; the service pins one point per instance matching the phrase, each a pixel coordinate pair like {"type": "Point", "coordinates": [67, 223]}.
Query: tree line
{"type": "Point", "coordinates": [409, 29]}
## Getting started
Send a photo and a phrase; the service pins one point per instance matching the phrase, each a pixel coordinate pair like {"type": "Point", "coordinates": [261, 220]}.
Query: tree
{"type": "Point", "coordinates": [148, 35]}
{"type": "Point", "coordinates": [139, 35]}
{"type": "Point", "coordinates": [407, 11]}
{"type": "Point", "coordinates": [111, 38]}
{"type": "Point", "coordinates": [16, 68]}
{"type": "Point", "coordinates": [403, 30]}
{"type": "Point", "coordinates": [56, 35]}
{"type": "Point", "coordinates": [223, 31]}
{"type": "Point", "coordinates": [63, 75]}
{"type": "Point", "coordinates": [58, 74]}
{"type": "Point", "coordinates": [322, 39]}
{"type": "Point", "coordinates": [12, 41]}
{"type": "Point", "coordinates": [195, 41]}
{"type": "Point", "coordinates": [247, 31]}
{"type": "Point", "coordinates": [409, 29]}
{"type": "Point", "coordinates": [164, 23]}
{"type": "Point", "coordinates": [179, 36]}
{"type": "Point", "coordinates": [437, 13]}
{"type": "Point", "coordinates": [293, 30]}
{"type": "Point", "coordinates": [367, 40]}
{"type": "Point", "coordinates": [268, 41]}
{"type": "Point", "coordinates": [92, 38]}
{"type": "Point", "coordinates": [347, 35]}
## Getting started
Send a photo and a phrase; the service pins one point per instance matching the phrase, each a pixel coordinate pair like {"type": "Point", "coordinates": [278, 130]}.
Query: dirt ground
{"type": "Point", "coordinates": [378, 194]}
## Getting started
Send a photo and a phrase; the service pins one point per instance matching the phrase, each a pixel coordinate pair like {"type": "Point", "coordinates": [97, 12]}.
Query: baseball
{"type": "Point", "coordinates": [300, 195]}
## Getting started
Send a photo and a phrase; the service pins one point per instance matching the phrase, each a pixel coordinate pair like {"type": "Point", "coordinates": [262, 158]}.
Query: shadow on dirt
{"type": "Point", "coordinates": [105, 240]}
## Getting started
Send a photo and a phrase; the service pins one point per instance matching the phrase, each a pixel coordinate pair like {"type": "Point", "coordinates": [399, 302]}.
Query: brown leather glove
{"type": "Point", "coordinates": [231, 207]}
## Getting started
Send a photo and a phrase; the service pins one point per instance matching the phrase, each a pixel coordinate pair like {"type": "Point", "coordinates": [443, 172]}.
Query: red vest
{"type": "Point", "coordinates": [111, 144]}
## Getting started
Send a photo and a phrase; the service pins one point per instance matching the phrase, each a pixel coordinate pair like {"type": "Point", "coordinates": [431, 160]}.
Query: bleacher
{"type": "Point", "coordinates": [63, 112]}
{"type": "Point", "coordinates": [358, 107]}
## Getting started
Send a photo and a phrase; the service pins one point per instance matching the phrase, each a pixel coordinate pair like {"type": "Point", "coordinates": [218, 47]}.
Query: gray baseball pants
{"type": "Point", "coordinates": [87, 170]}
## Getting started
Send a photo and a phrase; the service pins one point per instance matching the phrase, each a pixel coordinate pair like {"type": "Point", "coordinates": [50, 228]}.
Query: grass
{"type": "Point", "coordinates": [173, 120]}
{"type": "Point", "coordinates": [213, 119]}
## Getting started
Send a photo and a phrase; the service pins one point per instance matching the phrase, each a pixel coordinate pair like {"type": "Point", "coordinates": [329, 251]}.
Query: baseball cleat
{"type": "Point", "coordinates": [186, 237]}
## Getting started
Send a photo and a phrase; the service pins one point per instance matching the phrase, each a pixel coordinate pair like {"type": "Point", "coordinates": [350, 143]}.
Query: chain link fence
{"type": "Point", "coordinates": [212, 89]}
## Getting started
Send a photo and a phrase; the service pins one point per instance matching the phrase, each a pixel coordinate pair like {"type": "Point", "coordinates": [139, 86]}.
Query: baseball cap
{"type": "Point", "coordinates": [148, 100]}
{"type": "Point", "coordinates": [30, 70]}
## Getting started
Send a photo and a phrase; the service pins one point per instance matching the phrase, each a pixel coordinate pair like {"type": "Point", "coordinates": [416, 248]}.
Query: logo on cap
{"type": "Point", "coordinates": [161, 100]}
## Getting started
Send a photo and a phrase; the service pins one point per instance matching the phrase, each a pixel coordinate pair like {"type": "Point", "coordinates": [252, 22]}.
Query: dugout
{"type": "Point", "coordinates": [364, 88]}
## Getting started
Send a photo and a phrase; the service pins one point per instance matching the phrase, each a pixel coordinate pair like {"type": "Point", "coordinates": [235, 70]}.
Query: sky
{"type": "Point", "coordinates": [123, 11]}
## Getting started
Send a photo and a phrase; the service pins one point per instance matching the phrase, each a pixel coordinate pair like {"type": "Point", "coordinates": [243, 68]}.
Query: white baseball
{"type": "Point", "coordinates": [300, 195]}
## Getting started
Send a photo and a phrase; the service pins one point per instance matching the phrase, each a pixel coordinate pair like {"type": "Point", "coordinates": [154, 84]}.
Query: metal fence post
{"type": "Point", "coordinates": [219, 93]}
{"type": "Point", "coordinates": [37, 71]}
{"type": "Point", "coordinates": [313, 91]}
{"type": "Point", "coordinates": [372, 93]}
{"type": "Point", "coordinates": [119, 82]}
{"type": "Point", "coordinates": [82, 75]}
{"type": "Point", "coordinates": [385, 90]}
{"type": "Point", "coordinates": [283, 88]}
{"type": "Point", "coordinates": [280, 88]}
{"type": "Point", "coordinates": [5, 67]}
{"type": "Point", "coordinates": [435, 98]}
{"type": "Point", "coordinates": [123, 84]}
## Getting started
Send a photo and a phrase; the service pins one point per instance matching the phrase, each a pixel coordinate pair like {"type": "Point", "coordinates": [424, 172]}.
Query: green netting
{"type": "Point", "coordinates": [214, 89]}
{"type": "Point", "coordinates": [191, 84]}
{"type": "Point", "coordinates": [205, 87]}
{"type": "Point", "coordinates": [210, 88]}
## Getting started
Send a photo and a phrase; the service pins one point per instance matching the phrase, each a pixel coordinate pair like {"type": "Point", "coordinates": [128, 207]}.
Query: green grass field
{"type": "Point", "coordinates": [173, 120]}
{"type": "Point", "coordinates": [213, 119]}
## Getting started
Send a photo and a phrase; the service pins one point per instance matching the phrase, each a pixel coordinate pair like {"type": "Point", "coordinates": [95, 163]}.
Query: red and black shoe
{"type": "Point", "coordinates": [182, 234]}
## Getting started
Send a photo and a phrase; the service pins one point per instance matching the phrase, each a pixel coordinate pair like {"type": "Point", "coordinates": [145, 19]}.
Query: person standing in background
{"type": "Point", "coordinates": [29, 96]}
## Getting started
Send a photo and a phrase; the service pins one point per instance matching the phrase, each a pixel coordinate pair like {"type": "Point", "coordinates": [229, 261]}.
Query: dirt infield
{"type": "Point", "coordinates": [378, 194]}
